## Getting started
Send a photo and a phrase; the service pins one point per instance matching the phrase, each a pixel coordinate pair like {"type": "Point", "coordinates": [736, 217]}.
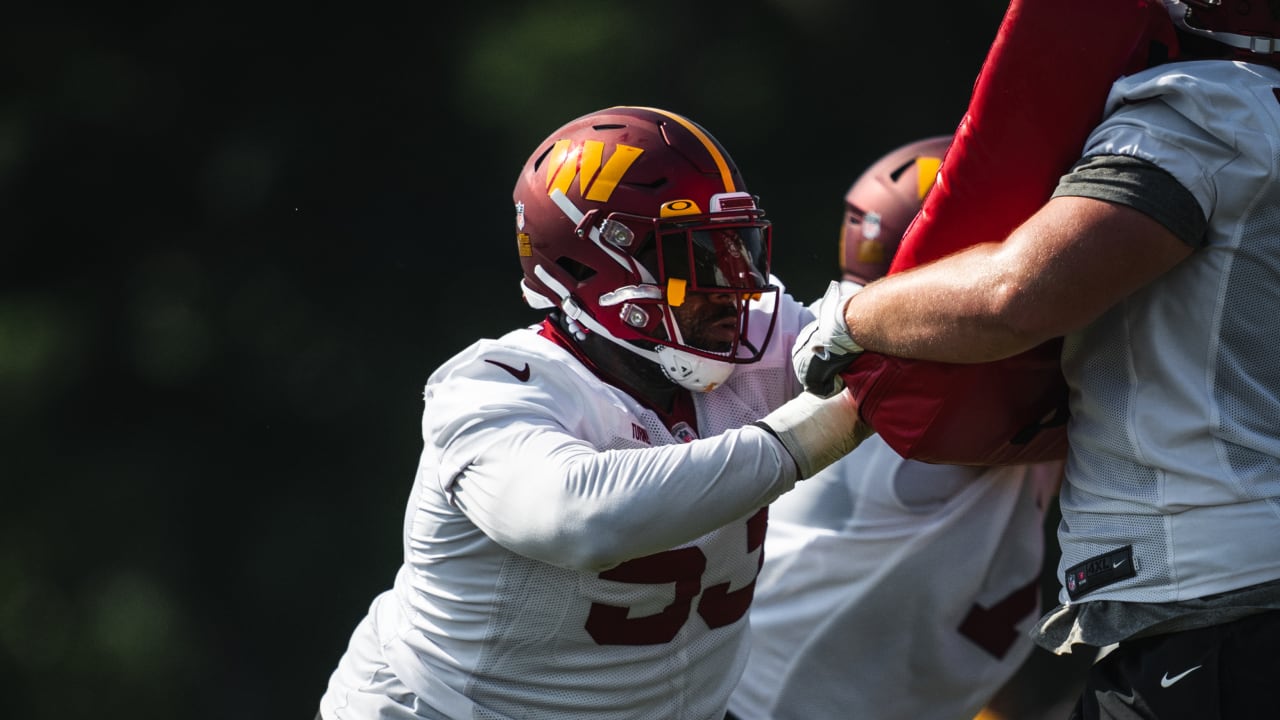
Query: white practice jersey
{"type": "Point", "coordinates": [1173, 477]}
{"type": "Point", "coordinates": [896, 590]}
{"type": "Point", "coordinates": [566, 554]}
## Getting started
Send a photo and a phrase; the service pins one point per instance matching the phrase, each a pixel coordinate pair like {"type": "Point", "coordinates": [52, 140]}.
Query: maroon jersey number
{"type": "Point", "coordinates": [993, 629]}
{"type": "Point", "coordinates": [609, 624]}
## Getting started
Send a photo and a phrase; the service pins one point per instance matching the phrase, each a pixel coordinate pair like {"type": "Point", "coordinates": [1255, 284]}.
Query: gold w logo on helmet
{"type": "Point", "coordinates": [597, 178]}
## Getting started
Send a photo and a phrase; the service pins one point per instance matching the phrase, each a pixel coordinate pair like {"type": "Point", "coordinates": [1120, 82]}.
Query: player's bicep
{"type": "Point", "coordinates": [1078, 256]}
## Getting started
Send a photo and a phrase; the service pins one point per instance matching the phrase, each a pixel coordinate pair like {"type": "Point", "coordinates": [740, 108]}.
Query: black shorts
{"type": "Point", "coordinates": [1222, 672]}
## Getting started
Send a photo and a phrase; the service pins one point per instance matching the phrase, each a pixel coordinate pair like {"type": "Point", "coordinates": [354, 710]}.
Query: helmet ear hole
{"type": "Point", "coordinates": [576, 270]}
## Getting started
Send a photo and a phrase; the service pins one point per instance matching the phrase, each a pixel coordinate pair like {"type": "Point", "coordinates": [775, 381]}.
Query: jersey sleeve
{"type": "Point", "coordinates": [1141, 185]}
{"type": "Point", "coordinates": [513, 457]}
{"type": "Point", "coordinates": [1151, 153]}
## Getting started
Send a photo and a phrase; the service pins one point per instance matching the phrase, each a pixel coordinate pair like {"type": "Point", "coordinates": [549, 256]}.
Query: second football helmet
{"type": "Point", "coordinates": [624, 214]}
{"type": "Point", "coordinates": [1249, 25]}
{"type": "Point", "coordinates": [881, 204]}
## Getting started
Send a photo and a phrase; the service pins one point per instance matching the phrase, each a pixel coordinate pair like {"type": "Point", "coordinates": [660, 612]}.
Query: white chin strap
{"type": "Point", "coordinates": [693, 372]}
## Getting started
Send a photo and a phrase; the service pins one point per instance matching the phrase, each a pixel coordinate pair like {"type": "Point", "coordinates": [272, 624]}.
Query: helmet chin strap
{"type": "Point", "coordinates": [692, 372]}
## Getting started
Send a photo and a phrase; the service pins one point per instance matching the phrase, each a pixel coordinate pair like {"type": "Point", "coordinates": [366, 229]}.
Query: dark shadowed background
{"type": "Point", "coordinates": [231, 254]}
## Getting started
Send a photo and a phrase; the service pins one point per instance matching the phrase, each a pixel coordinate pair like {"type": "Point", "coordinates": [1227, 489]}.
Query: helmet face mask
{"type": "Point", "coordinates": [628, 218]}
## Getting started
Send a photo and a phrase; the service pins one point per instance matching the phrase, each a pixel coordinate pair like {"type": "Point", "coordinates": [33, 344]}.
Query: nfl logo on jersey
{"type": "Point", "coordinates": [682, 432]}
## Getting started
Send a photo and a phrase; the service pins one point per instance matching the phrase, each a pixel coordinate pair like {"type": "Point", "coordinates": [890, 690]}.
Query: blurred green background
{"type": "Point", "coordinates": [230, 255]}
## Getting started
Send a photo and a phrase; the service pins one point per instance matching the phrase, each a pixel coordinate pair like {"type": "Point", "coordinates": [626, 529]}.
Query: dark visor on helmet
{"type": "Point", "coordinates": [733, 257]}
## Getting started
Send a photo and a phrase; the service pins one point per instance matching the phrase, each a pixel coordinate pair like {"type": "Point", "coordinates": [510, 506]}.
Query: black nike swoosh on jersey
{"type": "Point", "coordinates": [522, 374]}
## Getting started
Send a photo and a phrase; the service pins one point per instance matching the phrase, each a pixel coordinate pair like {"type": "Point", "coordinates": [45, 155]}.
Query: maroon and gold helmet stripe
{"type": "Point", "coordinates": [726, 175]}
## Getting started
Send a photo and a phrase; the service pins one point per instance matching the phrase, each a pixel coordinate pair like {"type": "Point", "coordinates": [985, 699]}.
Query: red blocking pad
{"type": "Point", "coordinates": [1039, 93]}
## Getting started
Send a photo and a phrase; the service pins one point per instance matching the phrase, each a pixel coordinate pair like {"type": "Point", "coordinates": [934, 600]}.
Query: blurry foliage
{"type": "Point", "coordinates": [230, 255]}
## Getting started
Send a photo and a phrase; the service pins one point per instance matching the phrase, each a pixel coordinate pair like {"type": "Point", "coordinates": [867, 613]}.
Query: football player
{"type": "Point", "coordinates": [1158, 259]}
{"type": "Point", "coordinates": [585, 528]}
{"type": "Point", "coordinates": [894, 589]}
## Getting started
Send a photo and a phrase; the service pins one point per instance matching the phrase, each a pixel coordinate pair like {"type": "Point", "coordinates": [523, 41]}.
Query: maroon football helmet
{"type": "Point", "coordinates": [1249, 25]}
{"type": "Point", "coordinates": [881, 204]}
{"type": "Point", "coordinates": [625, 213]}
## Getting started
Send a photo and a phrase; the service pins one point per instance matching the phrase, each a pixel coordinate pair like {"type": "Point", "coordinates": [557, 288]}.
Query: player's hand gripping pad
{"type": "Point", "coordinates": [1041, 90]}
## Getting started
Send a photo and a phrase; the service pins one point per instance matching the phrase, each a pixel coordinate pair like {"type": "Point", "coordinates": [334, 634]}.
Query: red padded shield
{"type": "Point", "coordinates": [1040, 91]}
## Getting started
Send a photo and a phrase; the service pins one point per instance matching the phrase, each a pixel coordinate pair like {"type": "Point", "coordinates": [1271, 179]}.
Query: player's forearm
{"type": "Point", "coordinates": [1070, 262]}
{"type": "Point", "coordinates": [961, 309]}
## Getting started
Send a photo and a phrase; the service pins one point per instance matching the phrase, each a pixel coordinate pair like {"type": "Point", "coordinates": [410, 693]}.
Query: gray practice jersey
{"type": "Point", "coordinates": [566, 553]}
{"type": "Point", "coordinates": [1173, 478]}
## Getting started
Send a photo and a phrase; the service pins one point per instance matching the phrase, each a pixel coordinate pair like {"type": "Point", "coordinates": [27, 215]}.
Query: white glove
{"type": "Point", "coordinates": [824, 347]}
{"type": "Point", "coordinates": [817, 431]}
